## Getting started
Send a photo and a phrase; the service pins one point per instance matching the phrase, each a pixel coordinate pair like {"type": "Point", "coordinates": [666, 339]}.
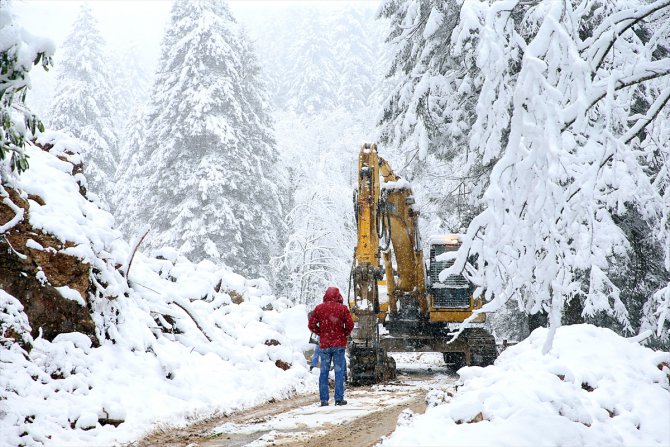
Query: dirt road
{"type": "Point", "coordinates": [371, 413]}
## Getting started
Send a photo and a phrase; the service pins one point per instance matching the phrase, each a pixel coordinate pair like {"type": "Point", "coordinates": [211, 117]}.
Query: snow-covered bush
{"type": "Point", "coordinates": [594, 388]}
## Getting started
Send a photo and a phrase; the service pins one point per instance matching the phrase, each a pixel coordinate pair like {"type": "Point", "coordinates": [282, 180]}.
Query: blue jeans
{"type": "Point", "coordinates": [336, 355]}
{"type": "Point", "coordinates": [315, 356]}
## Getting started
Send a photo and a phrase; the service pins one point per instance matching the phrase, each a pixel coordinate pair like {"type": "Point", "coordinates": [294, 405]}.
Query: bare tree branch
{"type": "Point", "coordinates": [646, 75]}
{"type": "Point", "coordinates": [133, 251]}
{"type": "Point", "coordinates": [641, 15]}
{"type": "Point", "coordinates": [195, 320]}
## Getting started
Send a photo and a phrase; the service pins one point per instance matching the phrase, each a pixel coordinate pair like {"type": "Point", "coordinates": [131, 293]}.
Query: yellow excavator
{"type": "Point", "coordinates": [398, 304]}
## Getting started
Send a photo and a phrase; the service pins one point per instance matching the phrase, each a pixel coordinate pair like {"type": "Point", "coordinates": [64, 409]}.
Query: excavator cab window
{"type": "Point", "coordinates": [456, 290]}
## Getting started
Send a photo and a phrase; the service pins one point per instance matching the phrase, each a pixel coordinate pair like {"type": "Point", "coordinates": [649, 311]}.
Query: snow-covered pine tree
{"type": "Point", "coordinates": [131, 88]}
{"type": "Point", "coordinates": [312, 77]}
{"type": "Point", "coordinates": [278, 30]}
{"type": "Point", "coordinates": [132, 96]}
{"type": "Point", "coordinates": [354, 33]}
{"type": "Point", "coordinates": [430, 109]}
{"type": "Point", "coordinates": [206, 180]}
{"type": "Point", "coordinates": [466, 92]}
{"type": "Point", "coordinates": [83, 104]}
{"type": "Point", "coordinates": [19, 51]}
{"type": "Point", "coordinates": [578, 152]}
{"type": "Point", "coordinates": [128, 177]}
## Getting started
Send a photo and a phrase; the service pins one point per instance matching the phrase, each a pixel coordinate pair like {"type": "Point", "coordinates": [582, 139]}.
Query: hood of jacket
{"type": "Point", "coordinates": [333, 295]}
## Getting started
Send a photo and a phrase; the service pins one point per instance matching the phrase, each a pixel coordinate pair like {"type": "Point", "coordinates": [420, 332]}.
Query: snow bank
{"type": "Point", "coordinates": [178, 341]}
{"type": "Point", "coordinates": [593, 388]}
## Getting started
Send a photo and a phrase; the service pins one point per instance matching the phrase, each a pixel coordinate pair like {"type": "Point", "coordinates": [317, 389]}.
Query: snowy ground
{"type": "Point", "coordinates": [594, 388]}
{"type": "Point", "coordinates": [168, 384]}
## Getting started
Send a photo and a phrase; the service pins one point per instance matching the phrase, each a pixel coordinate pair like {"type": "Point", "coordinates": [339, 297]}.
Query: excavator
{"type": "Point", "coordinates": [399, 304]}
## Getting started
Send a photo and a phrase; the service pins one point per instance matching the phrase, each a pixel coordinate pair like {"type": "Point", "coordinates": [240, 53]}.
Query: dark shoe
{"type": "Point", "coordinates": [340, 402]}
{"type": "Point", "coordinates": [311, 368]}
{"type": "Point", "coordinates": [324, 403]}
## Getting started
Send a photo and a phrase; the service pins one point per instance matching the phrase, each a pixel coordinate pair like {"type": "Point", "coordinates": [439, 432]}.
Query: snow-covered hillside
{"type": "Point", "coordinates": [594, 388]}
{"type": "Point", "coordinates": [175, 342]}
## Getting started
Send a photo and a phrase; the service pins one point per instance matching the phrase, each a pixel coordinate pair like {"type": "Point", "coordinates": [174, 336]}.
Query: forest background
{"type": "Point", "coordinates": [556, 171]}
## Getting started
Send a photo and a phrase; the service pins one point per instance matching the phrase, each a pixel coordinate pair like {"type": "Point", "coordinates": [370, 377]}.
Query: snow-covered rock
{"type": "Point", "coordinates": [593, 388]}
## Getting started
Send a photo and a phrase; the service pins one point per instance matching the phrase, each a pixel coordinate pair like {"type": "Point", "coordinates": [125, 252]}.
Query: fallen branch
{"type": "Point", "coordinates": [195, 320]}
{"type": "Point", "coordinates": [182, 307]}
{"type": "Point", "coordinates": [133, 251]}
{"type": "Point", "coordinates": [147, 287]}
{"type": "Point", "coordinates": [640, 337]}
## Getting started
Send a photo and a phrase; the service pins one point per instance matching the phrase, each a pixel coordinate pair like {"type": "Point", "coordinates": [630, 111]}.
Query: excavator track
{"type": "Point", "coordinates": [370, 365]}
{"type": "Point", "coordinates": [481, 346]}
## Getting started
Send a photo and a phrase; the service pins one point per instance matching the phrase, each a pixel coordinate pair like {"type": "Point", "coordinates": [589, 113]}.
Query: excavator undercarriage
{"type": "Point", "coordinates": [368, 360]}
{"type": "Point", "coordinates": [400, 305]}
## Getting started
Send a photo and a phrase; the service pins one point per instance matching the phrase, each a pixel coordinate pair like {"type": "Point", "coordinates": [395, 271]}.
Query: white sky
{"type": "Point", "coordinates": [124, 21]}
{"type": "Point", "coordinates": [120, 22]}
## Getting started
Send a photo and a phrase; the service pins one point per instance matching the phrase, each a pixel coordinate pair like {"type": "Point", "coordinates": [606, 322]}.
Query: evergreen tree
{"type": "Point", "coordinates": [431, 107]}
{"type": "Point", "coordinates": [128, 177]}
{"type": "Point", "coordinates": [355, 43]}
{"type": "Point", "coordinates": [312, 77]}
{"type": "Point", "coordinates": [19, 51]}
{"type": "Point", "coordinates": [278, 34]}
{"type": "Point", "coordinates": [571, 181]}
{"type": "Point", "coordinates": [130, 90]}
{"type": "Point", "coordinates": [83, 105]}
{"type": "Point", "coordinates": [132, 95]}
{"type": "Point", "coordinates": [317, 59]}
{"type": "Point", "coordinates": [206, 180]}
{"type": "Point", "coordinates": [464, 70]}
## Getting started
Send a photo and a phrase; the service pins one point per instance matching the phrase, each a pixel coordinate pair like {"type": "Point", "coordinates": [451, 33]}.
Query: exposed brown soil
{"type": "Point", "coordinates": [364, 431]}
{"type": "Point", "coordinates": [20, 264]}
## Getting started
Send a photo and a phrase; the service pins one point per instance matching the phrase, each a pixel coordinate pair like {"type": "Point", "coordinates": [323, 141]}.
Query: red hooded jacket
{"type": "Point", "coordinates": [331, 320]}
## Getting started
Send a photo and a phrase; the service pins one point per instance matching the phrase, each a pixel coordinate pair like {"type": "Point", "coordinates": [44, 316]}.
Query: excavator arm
{"type": "Point", "coordinates": [387, 220]}
{"type": "Point", "coordinates": [397, 207]}
{"type": "Point", "coordinates": [366, 271]}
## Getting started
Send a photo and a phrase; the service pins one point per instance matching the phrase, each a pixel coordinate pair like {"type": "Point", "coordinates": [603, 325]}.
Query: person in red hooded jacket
{"type": "Point", "coordinates": [332, 322]}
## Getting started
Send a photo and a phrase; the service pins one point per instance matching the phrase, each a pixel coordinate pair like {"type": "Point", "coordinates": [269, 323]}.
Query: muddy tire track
{"type": "Point", "coordinates": [362, 430]}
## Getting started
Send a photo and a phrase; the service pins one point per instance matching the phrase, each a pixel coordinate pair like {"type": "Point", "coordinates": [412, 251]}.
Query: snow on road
{"type": "Point", "coordinates": [312, 420]}
{"type": "Point", "coordinates": [371, 413]}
